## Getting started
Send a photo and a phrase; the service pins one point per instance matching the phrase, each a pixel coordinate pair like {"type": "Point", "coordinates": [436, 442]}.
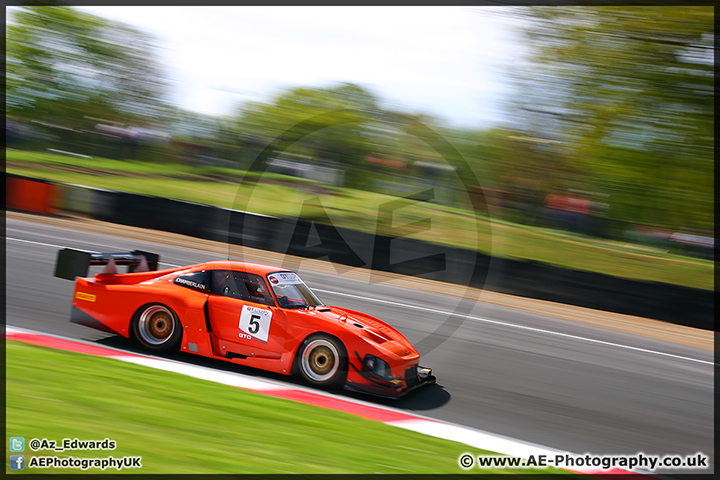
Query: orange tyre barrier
{"type": "Point", "coordinates": [31, 195]}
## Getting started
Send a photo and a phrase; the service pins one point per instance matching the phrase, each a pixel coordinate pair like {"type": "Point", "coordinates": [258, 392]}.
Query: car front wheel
{"type": "Point", "coordinates": [322, 361]}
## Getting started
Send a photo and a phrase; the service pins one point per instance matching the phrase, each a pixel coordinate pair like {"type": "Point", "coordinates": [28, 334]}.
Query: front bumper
{"type": "Point", "coordinates": [418, 377]}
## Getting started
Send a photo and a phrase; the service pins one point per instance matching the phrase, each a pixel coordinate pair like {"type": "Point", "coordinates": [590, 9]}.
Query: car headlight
{"type": "Point", "coordinates": [378, 367]}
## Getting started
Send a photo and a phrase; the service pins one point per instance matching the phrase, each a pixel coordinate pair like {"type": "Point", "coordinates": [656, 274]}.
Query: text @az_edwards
{"type": "Point", "coordinates": [71, 444]}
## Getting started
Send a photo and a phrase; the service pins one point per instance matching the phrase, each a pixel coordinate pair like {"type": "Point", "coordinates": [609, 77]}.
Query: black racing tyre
{"type": "Point", "coordinates": [157, 327]}
{"type": "Point", "coordinates": [322, 361]}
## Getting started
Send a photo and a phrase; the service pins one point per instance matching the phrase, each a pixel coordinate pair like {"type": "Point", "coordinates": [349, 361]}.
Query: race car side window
{"type": "Point", "coordinates": [196, 281]}
{"type": "Point", "coordinates": [244, 286]}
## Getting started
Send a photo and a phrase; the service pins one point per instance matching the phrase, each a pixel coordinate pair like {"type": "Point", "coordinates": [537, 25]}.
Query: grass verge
{"type": "Point", "coordinates": [180, 424]}
{"type": "Point", "coordinates": [362, 211]}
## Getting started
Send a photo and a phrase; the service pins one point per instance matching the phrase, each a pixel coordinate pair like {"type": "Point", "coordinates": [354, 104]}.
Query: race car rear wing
{"type": "Point", "coordinates": [76, 263]}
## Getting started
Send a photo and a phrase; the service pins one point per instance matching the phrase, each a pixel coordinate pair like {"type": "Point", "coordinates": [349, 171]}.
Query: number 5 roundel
{"type": "Point", "coordinates": [255, 322]}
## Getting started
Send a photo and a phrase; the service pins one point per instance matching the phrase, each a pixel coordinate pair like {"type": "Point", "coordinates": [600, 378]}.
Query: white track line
{"type": "Point", "coordinates": [216, 376]}
{"type": "Point", "coordinates": [514, 325]}
{"type": "Point", "coordinates": [39, 243]}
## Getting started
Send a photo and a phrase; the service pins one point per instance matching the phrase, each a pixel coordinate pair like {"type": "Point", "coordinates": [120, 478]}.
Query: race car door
{"type": "Point", "coordinates": [243, 318]}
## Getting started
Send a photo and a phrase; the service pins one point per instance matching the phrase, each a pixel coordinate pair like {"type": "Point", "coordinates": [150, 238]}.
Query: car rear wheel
{"type": "Point", "coordinates": [157, 327]}
{"type": "Point", "coordinates": [322, 361]}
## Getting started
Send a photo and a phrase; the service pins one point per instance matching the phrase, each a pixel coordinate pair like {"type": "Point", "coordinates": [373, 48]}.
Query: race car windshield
{"type": "Point", "coordinates": [291, 292]}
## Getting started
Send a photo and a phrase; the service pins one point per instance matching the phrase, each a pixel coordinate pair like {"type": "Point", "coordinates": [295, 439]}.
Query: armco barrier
{"type": "Point", "coordinates": [31, 195]}
{"type": "Point", "coordinates": [77, 199]}
{"type": "Point", "coordinates": [248, 229]}
{"type": "Point", "coordinates": [157, 213]}
{"type": "Point", "coordinates": [673, 303]}
{"type": "Point", "coordinates": [348, 249]}
{"type": "Point", "coordinates": [317, 240]}
{"type": "Point", "coordinates": [353, 248]}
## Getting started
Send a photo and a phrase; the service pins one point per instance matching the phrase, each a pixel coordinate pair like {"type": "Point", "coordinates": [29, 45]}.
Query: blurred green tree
{"type": "Point", "coordinates": [64, 65]}
{"type": "Point", "coordinates": [625, 94]}
{"type": "Point", "coordinates": [331, 124]}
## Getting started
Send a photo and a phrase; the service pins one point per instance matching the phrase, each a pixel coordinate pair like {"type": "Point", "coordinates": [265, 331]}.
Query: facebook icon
{"type": "Point", "coordinates": [17, 462]}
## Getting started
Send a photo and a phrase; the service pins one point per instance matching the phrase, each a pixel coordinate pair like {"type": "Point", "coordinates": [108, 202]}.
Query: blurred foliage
{"type": "Point", "coordinates": [615, 106]}
{"type": "Point", "coordinates": [325, 124]}
{"type": "Point", "coordinates": [619, 100]}
{"type": "Point", "coordinates": [65, 64]}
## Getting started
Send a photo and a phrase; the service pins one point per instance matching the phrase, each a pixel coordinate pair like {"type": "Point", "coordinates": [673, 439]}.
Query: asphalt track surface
{"type": "Point", "coordinates": [561, 384]}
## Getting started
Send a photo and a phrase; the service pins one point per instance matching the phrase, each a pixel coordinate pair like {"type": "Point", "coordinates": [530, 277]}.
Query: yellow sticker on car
{"type": "Point", "coordinates": [85, 296]}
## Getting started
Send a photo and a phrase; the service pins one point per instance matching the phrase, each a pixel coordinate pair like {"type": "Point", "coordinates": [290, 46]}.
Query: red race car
{"type": "Point", "coordinates": [246, 313]}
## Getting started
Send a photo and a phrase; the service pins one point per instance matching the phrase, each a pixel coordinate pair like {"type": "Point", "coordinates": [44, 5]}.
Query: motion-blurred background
{"type": "Point", "coordinates": [576, 136]}
{"type": "Point", "coordinates": [556, 153]}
